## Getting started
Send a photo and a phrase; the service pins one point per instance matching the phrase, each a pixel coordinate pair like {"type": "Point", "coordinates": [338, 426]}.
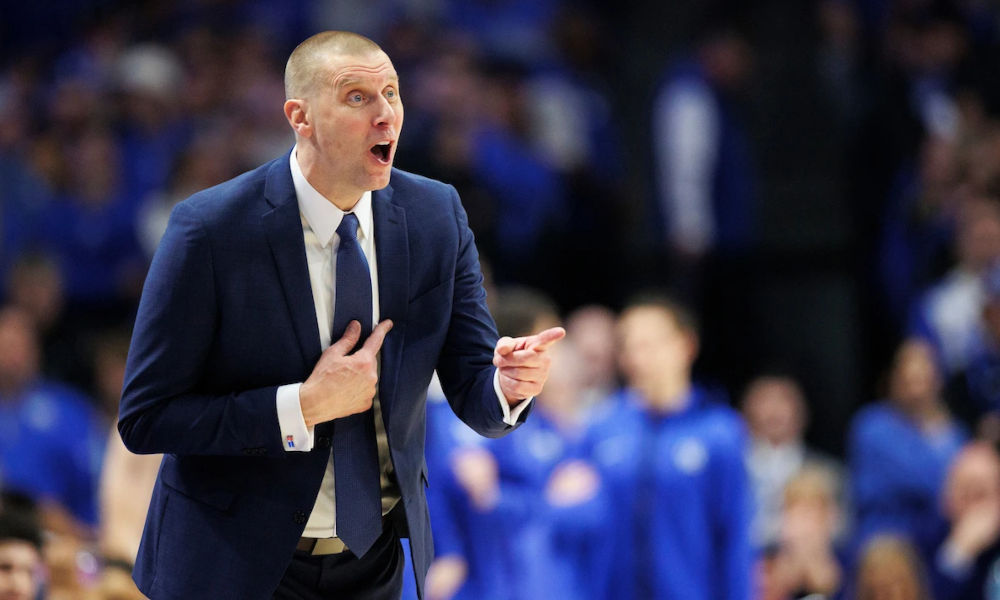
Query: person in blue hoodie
{"type": "Point", "coordinates": [671, 459]}
{"type": "Point", "coordinates": [480, 528]}
{"type": "Point", "coordinates": [900, 450]}
{"type": "Point", "coordinates": [547, 472]}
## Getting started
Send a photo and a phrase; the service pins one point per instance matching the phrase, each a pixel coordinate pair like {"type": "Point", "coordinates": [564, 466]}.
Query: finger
{"type": "Point", "coordinates": [347, 341]}
{"type": "Point", "coordinates": [374, 342]}
{"type": "Point", "coordinates": [520, 358]}
{"type": "Point", "coordinates": [505, 345]}
{"type": "Point", "coordinates": [545, 339]}
{"type": "Point", "coordinates": [520, 390]}
{"type": "Point", "coordinates": [526, 374]}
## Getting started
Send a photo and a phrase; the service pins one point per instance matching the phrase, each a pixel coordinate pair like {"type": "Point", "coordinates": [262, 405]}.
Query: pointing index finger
{"type": "Point", "coordinates": [543, 340]}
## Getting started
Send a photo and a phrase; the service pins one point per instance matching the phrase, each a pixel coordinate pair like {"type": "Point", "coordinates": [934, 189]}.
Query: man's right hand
{"type": "Point", "coordinates": [342, 384]}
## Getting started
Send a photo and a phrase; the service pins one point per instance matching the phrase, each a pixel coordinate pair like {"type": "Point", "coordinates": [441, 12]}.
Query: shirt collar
{"type": "Point", "coordinates": [322, 215]}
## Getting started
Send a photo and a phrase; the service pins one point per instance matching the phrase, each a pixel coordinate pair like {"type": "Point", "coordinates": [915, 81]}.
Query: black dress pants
{"type": "Point", "coordinates": [378, 575]}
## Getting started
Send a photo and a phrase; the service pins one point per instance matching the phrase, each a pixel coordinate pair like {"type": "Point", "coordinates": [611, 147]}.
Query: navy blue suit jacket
{"type": "Point", "coordinates": [227, 316]}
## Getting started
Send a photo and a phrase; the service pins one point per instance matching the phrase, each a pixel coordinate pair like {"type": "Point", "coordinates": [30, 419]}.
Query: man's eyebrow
{"type": "Point", "coordinates": [352, 81]}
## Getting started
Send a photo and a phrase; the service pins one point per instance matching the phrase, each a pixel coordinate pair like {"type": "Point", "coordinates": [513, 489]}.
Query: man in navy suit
{"type": "Point", "coordinates": [289, 327]}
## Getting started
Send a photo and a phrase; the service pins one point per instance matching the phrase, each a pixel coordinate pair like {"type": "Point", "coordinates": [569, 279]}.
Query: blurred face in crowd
{"type": "Point", "coordinates": [593, 331]}
{"type": "Point", "coordinates": [811, 513]}
{"type": "Point", "coordinates": [21, 356]}
{"type": "Point", "coordinates": [37, 289]}
{"type": "Point", "coordinates": [95, 173]}
{"type": "Point", "coordinates": [979, 235]}
{"type": "Point", "coordinates": [656, 353]}
{"type": "Point", "coordinates": [974, 480]}
{"type": "Point", "coordinates": [914, 383]}
{"type": "Point", "coordinates": [347, 125]}
{"type": "Point", "coordinates": [889, 571]}
{"type": "Point", "coordinates": [563, 390]}
{"type": "Point", "coordinates": [775, 410]}
{"type": "Point", "coordinates": [20, 563]}
{"type": "Point", "coordinates": [727, 59]}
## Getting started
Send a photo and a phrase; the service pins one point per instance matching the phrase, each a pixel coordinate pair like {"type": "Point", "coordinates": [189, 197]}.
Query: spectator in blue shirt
{"type": "Point", "coordinates": [950, 312]}
{"type": "Point", "coordinates": [547, 470]}
{"type": "Point", "coordinates": [965, 564]}
{"type": "Point", "coordinates": [900, 450]}
{"type": "Point", "coordinates": [91, 231]}
{"type": "Point", "coordinates": [974, 394]}
{"type": "Point", "coordinates": [51, 440]}
{"type": "Point", "coordinates": [481, 528]}
{"type": "Point", "coordinates": [671, 459]}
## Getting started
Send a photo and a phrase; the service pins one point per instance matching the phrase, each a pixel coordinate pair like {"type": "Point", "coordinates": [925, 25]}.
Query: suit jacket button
{"type": "Point", "coordinates": [324, 442]}
{"type": "Point", "coordinates": [247, 451]}
{"type": "Point", "coordinates": [262, 450]}
{"type": "Point", "coordinates": [300, 517]}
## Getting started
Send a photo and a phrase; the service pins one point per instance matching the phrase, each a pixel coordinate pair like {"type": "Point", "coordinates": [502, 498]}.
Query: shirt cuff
{"type": "Point", "coordinates": [510, 415]}
{"type": "Point", "coordinates": [295, 436]}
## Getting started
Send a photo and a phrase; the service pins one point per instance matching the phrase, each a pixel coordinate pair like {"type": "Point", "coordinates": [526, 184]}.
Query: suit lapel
{"type": "Point", "coordinates": [283, 227]}
{"type": "Point", "coordinates": [392, 250]}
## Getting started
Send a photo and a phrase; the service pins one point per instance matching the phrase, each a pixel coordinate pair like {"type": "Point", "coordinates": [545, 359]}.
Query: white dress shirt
{"type": "Point", "coordinates": [320, 220]}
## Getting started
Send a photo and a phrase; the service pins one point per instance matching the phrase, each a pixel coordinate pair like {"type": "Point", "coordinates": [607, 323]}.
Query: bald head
{"type": "Point", "coordinates": [306, 65]}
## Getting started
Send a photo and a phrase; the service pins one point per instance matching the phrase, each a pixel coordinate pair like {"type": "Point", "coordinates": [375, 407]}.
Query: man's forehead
{"type": "Point", "coordinates": [347, 69]}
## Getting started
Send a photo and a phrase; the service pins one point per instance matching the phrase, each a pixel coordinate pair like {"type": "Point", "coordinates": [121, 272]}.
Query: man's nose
{"type": "Point", "coordinates": [386, 113]}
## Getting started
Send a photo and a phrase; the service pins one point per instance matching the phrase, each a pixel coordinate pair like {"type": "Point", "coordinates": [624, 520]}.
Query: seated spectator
{"type": "Point", "coordinates": [949, 314]}
{"type": "Point", "coordinates": [968, 560]}
{"type": "Point", "coordinates": [672, 462]}
{"type": "Point", "coordinates": [51, 440]}
{"type": "Point", "coordinates": [890, 569]}
{"type": "Point", "coordinates": [36, 287]}
{"type": "Point", "coordinates": [21, 564]}
{"type": "Point", "coordinates": [776, 413]}
{"type": "Point", "coordinates": [808, 562]}
{"type": "Point", "coordinates": [91, 232]}
{"type": "Point", "coordinates": [973, 394]}
{"type": "Point", "coordinates": [900, 450]}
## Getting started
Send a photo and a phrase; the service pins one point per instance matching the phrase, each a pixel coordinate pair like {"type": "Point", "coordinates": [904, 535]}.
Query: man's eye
{"type": "Point", "coordinates": [355, 97]}
{"type": "Point", "coordinates": [390, 94]}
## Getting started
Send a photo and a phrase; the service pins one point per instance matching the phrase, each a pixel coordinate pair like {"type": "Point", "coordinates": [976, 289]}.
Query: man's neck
{"type": "Point", "coordinates": [670, 396]}
{"type": "Point", "coordinates": [342, 198]}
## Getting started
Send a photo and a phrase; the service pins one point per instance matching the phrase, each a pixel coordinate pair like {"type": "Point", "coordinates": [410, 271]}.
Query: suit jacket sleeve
{"type": "Point", "coordinates": [162, 410]}
{"type": "Point", "coordinates": [465, 366]}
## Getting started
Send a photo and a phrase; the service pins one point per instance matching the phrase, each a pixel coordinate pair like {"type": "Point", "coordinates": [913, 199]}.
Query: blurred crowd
{"type": "Point", "coordinates": [663, 460]}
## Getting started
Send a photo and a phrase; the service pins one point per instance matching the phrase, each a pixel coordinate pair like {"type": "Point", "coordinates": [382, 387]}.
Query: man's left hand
{"type": "Point", "coordinates": [524, 363]}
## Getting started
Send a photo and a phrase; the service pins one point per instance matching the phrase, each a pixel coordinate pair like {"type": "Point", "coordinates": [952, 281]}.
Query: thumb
{"type": "Point", "coordinates": [347, 342]}
{"type": "Point", "coordinates": [505, 345]}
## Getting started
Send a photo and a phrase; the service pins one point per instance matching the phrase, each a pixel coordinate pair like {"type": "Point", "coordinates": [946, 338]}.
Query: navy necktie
{"type": "Point", "coordinates": [355, 453]}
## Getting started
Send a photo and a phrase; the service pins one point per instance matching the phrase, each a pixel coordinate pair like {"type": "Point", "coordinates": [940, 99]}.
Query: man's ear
{"type": "Point", "coordinates": [296, 111]}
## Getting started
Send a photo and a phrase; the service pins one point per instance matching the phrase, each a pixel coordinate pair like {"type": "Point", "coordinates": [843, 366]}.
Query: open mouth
{"type": "Point", "coordinates": [381, 151]}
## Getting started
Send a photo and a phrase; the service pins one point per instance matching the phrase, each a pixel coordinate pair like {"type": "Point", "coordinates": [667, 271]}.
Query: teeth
{"type": "Point", "coordinates": [382, 144]}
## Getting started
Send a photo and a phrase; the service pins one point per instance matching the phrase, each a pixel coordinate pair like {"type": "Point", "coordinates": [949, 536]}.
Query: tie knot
{"type": "Point", "coordinates": [348, 230]}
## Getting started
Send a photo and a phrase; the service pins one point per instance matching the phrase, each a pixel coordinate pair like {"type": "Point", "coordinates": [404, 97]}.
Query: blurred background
{"type": "Point", "coordinates": [771, 227]}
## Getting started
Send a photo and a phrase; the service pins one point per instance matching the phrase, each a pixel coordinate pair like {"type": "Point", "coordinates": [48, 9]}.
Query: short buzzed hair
{"type": "Point", "coordinates": [305, 63]}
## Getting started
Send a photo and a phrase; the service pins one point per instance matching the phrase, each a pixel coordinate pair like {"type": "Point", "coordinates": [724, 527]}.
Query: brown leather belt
{"type": "Point", "coordinates": [321, 546]}
{"type": "Point", "coordinates": [326, 546]}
